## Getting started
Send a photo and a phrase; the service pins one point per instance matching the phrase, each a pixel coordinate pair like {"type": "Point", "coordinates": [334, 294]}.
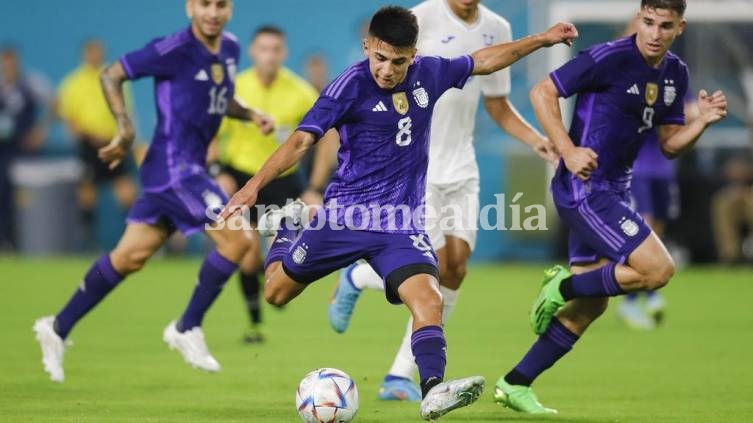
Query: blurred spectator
{"type": "Point", "coordinates": [83, 108]}
{"type": "Point", "coordinates": [317, 71]}
{"type": "Point", "coordinates": [732, 210]}
{"type": "Point", "coordinates": [20, 132]}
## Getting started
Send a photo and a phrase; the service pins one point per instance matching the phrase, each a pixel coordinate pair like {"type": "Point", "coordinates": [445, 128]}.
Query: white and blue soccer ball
{"type": "Point", "coordinates": [327, 396]}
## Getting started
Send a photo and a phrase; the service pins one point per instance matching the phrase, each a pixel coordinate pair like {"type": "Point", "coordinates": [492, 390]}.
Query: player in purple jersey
{"type": "Point", "coordinates": [655, 196]}
{"type": "Point", "coordinates": [193, 71]}
{"type": "Point", "coordinates": [382, 109]}
{"type": "Point", "coordinates": [625, 88]}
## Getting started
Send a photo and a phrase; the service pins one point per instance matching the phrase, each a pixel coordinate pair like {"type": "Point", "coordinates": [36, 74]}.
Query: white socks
{"type": "Point", "coordinates": [404, 364]}
{"type": "Point", "coordinates": [363, 276]}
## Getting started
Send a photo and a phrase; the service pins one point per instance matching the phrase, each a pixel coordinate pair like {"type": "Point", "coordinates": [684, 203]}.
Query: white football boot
{"type": "Point", "coordinates": [192, 347]}
{"type": "Point", "coordinates": [53, 347]}
{"type": "Point", "coordinates": [270, 221]}
{"type": "Point", "coordinates": [450, 395]}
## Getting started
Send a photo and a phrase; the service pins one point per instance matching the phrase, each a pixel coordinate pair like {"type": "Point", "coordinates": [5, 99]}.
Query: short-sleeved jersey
{"type": "Point", "coordinates": [286, 100]}
{"type": "Point", "coordinates": [621, 99]}
{"type": "Point", "coordinates": [441, 33]}
{"type": "Point", "coordinates": [192, 89]}
{"type": "Point", "coordinates": [384, 140]}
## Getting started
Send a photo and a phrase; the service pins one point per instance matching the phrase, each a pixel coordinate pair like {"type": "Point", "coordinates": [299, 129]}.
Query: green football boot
{"type": "Point", "coordinates": [519, 398]}
{"type": "Point", "coordinates": [549, 300]}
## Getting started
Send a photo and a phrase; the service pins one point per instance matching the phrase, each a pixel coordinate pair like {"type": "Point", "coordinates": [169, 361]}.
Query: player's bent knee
{"type": "Point", "coordinates": [276, 296]}
{"type": "Point", "coordinates": [130, 262]}
{"type": "Point", "coordinates": [660, 277]}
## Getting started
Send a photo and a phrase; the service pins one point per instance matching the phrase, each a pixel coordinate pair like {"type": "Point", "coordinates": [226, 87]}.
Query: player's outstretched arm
{"type": "Point", "coordinates": [325, 161]}
{"type": "Point", "coordinates": [677, 139]}
{"type": "Point", "coordinates": [580, 161]}
{"type": "Point", "coordinates": [491, 59]}
{"type": "Point", "coordinates": [503, 112]}
{"type": "Point", "coordinates": [285, 157]}
{"type": "Point", "coordinates": [112, 79]}
{"type": "Point", "coordinates": [237, 110]}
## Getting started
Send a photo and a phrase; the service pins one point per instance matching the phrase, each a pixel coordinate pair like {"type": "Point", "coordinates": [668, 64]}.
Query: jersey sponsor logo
{"type": "Point", "coordinates": [421, 96]}
{"type": "Point", "coordinates": [629, 227]}
{"type": "Point", "coordinates": [299, 255]}
{"type": "Point", "coordinates": [488, 39]}
{"type": "Point", "coordinates": [218, 73]}
{"type": "Point", "coordinates": [448, 39]}
{"type": "Point", "coordinates": [652, 93]}
{"type": "Point", "coordinates": [201, 76]}
{"type": "Point", "coordinates": [380, 107]}
{"type": "Point", "coordinates": [633, 90]}
{"type": "Point", "coordinates": [400, 101]}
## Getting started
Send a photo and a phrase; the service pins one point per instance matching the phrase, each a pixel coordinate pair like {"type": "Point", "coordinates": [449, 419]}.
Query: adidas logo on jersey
{"type": "Point", "coordinates": [201, 76]}
{"type": "Point", "coordinates": [634, 90]}
{"type": "Point", "coordinates": [380, 107]}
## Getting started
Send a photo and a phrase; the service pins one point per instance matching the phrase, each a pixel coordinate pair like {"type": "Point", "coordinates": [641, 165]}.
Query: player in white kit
{"type": "Point", "coordinates": [447, 28]}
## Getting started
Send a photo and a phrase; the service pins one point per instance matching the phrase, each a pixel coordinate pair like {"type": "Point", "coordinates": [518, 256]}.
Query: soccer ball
{"type": "Point", "coordinates": [327, 396]}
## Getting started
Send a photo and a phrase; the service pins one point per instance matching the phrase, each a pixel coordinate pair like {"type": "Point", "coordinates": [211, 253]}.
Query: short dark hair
{"type": "Point", "coordinates": [395, 25]}
{"type": "Point", "coordinates": [676, 5]}
{"type": "Point", "coordinates": [268, 29]}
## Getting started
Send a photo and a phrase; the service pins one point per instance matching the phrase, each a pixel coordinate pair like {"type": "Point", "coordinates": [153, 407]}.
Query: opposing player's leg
{"type": "Point", "coordinates": [138, 243]}
{"type": "Point", "coordinates": [613, 230]}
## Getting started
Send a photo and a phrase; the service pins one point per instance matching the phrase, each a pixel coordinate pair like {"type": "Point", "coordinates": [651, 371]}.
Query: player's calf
{"type": "Point", "coordinates": [579, 313]}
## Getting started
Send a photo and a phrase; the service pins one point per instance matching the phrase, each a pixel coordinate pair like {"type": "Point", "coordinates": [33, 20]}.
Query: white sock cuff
{"type": "Point", "coordinates": [363, 276]}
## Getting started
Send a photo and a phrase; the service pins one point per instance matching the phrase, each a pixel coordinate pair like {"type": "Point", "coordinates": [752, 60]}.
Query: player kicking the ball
{"type": "Point", "coordinates": [382, 109]}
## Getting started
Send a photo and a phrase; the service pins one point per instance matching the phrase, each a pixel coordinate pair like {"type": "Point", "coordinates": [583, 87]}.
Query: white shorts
{"type": "Point", "coordinates": [452, 210]}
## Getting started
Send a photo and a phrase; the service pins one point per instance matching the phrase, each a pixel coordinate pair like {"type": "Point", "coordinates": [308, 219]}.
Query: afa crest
{"type": "Point", "coordinates": [400, 101]}
{"type": "Point", "coordinates": [652, 93]}
{"type": "Point", "coordinates": [218, 73]}
{"type": "Point", "coordinates": [421, 97]}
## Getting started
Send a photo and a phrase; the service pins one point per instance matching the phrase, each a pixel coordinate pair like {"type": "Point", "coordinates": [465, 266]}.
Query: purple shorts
{"type": "Point", "coordinates": [603, 225]}
{"type": "Point", "coordinates": [655, 197]}
{"type": "Point", "coordinates": [182, 206]}
{"type": "Point", "coordinates": [395, 257]}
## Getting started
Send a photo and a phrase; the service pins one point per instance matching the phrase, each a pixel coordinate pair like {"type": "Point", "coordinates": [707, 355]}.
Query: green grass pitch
{"type": "Point", "coordinates": [698, 367]}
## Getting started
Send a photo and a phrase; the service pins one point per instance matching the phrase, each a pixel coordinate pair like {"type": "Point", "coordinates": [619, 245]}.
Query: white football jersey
{"type": "Point", "coordinates": [442, 33]}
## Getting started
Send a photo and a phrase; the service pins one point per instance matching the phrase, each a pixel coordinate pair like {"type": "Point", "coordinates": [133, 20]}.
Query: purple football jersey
{"type": "Point", "coordinates": [651, 162]}
{"type": "Point", "coordinates": [384, 142]}
{"type": "Point", "coordinates": [621, 100]}
{"type": "Point", "coordinates": [192, 89]}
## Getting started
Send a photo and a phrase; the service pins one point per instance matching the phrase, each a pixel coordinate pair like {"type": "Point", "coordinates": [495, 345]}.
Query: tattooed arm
{"type": "Point", "coordinates": [491, 59]}
{"type": "Point", "coordinates": [112, 79]}
{"type": "Point", "coordinates": [237, 110]}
